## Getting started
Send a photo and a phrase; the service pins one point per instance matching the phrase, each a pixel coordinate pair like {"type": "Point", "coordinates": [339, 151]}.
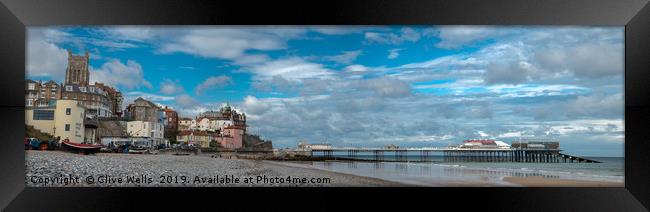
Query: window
{"type": "Point", "coordinates": [92, 89]}
{"type": "Point", "coordinates": [83, 89]}
{"type": "Point", "coordinates": [67, 127]}
{"type": "Point", "coordinates": [65, 97]}
{"type": "Point", "coordinates": [43, 115]}
{"type": "Point", "coordinates": [30, 102]}
{"type": "Point", "coordinates": [31, 86]}
{"type": "Point", "coordinates": [68, 88]}
{"type": "Point", "coordinates": [151, 134]}
{"type": "Point", "coordinates": [68, 111]}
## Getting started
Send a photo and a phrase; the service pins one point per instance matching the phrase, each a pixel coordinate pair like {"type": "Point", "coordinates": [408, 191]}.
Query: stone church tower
{"type": "Point", "coordinates": [77, 72]}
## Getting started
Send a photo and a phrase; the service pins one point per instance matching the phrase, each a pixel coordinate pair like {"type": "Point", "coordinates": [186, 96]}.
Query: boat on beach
{"type": "Point", "coordinates": [81, 148]}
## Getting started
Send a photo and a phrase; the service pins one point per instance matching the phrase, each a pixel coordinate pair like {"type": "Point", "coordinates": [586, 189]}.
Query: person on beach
{"type": "Point", "coordinates": [58, 142]}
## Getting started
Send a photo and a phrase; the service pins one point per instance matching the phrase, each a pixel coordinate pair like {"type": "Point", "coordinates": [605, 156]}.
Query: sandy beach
{"type": "Point", "coordinates": [106, 170]}
{"type": "Point", "coordinates": [547, 182]}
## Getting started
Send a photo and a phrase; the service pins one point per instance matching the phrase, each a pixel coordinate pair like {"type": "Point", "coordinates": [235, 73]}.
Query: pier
{"type": "Point", "coordinates": [454, 154]}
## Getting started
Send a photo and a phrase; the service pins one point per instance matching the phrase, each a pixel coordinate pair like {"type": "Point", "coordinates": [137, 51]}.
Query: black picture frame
{"type": "Point", "coordinates": [15, 15]}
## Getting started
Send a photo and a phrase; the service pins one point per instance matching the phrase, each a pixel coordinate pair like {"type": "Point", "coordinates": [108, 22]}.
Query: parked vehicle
{"type": "Point", "coordinates": [34, 143]}
{"type": "Point", "coordinates": [53, 144]}
{"type": "Point", "coordinates": [161, 146]}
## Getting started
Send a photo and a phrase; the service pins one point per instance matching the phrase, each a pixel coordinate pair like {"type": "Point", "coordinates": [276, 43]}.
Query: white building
{"type": "Point", "coordinates": [307, 146]}
{"type": "Point", "coordinates": [64, 119]}
{"type": "Point", "coordinates": [153, 131]}
{"type": "Point", "coordinates": [209, 124]}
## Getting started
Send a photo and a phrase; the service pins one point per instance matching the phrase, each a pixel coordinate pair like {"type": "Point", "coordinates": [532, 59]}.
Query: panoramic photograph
{"type": "Point", "coordinates": [324, 106]}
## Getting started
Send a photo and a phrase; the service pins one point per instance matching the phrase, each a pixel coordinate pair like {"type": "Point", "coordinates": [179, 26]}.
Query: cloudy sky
{"type": "Point", "coordinates": [370, 85]}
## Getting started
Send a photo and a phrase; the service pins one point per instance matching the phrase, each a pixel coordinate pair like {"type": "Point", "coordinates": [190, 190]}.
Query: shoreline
{"type": "Point", "coordinates": [379, 181]}
{"type": "Point", "coordinates": [505, 181]}
{"type": "Point", "coordinates": [405, 183]}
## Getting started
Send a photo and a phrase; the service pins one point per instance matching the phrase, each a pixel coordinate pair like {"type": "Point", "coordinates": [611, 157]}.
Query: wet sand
{"type": "Point", "coordinates": [547, 182]}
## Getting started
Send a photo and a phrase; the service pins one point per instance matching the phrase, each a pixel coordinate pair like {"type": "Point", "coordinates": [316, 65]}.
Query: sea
{"type": "Point", "coordinates": [436, 172]}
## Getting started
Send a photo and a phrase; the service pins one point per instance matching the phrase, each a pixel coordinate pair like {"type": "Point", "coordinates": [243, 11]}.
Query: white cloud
{"type": "Point", "coordinates": [346, 57]}
{"type": "Point", "coordinates": [171, 87]}
{"type": "Point", "coordinates": [596, 105]}
{"type": "Point", "coordinates": [213, 82]}
{"type": "Point", "coordinates": [151, 97]}
{"type": "Point", "coordinates": [443, 62]}
{"type": "Point", "coordinates": [454, 37]}
{"type": "Point", "coordinates": [293, 68]}
{"type": "Point", "coordinates": [356, 68]}
{"type": "Point", "coordinates": [116, 73]}
{"type": "Point", "coordinates": [231, 43]}
{"type": "Point", "coordinates": [45, 57]}
{"type": "Point", "coordinates": [589, 126]}
{"type": "Point", "coordinates": [336, 30]}
{"type": "Point", "coordinates": [254, 106]}
{"type": "Point", "coordinates": [533, 90]}
{"type": "Point", "coordinates": [113, 45]}
{"type": "Point", "coordinates": [388, 87]}
{"type": "Point", "coordinates": [393, 53]}
{"type": "Point", "coordinates": [509, 73]}
{"type": "Point", "coordinates": [131, 33]}
{"type": "Point", "coordinates": [590, 60]}
{"type": "Point", "coordinates": [407, 34]}
{"type": "Point", "coordinates": [186, 101]}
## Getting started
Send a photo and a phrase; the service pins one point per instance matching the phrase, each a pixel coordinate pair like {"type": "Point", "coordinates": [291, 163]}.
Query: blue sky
{"type": "Point", "coordinates": [367, 85]}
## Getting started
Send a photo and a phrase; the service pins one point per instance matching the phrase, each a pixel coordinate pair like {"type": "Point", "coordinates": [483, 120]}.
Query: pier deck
{"type": "Point", "coordinates": [455, 154]}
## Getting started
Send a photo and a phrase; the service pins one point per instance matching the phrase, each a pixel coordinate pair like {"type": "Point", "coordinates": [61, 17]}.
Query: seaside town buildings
{"type": "Point", "coordinates": [226, 127]}
{"type": "Point", "coordinates": [146, 121]}
{"type": "Point", "coordinates": [171, 119]}
{"type": "Point", "coordinates": [69, 110]}
{"type": "Point", "coordinates": [199, 138]}
{"type": "Point", "coordinates": [92, 113]}
{"type": "Point", "coordinates": [99, 99]}
{"type": "Point", "coordinates": [185, 123]}
{"type": "Point", "coordinates": [62, 118]}
{"type": "Point", "coordinates": [170, 122]}
{"type": "Point", "coordinates": [39, 94]}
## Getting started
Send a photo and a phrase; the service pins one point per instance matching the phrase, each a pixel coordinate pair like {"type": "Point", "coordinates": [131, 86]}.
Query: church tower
{"type": "Point", "coordinates": [77, 72]}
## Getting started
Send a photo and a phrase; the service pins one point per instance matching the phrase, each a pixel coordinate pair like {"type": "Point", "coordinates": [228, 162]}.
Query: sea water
{"type": "Point", "coordinates": [436, 172]}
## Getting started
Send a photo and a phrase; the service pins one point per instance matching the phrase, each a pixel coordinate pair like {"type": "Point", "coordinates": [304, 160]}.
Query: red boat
{"type": "Point", "coordinates": [81, 148]}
